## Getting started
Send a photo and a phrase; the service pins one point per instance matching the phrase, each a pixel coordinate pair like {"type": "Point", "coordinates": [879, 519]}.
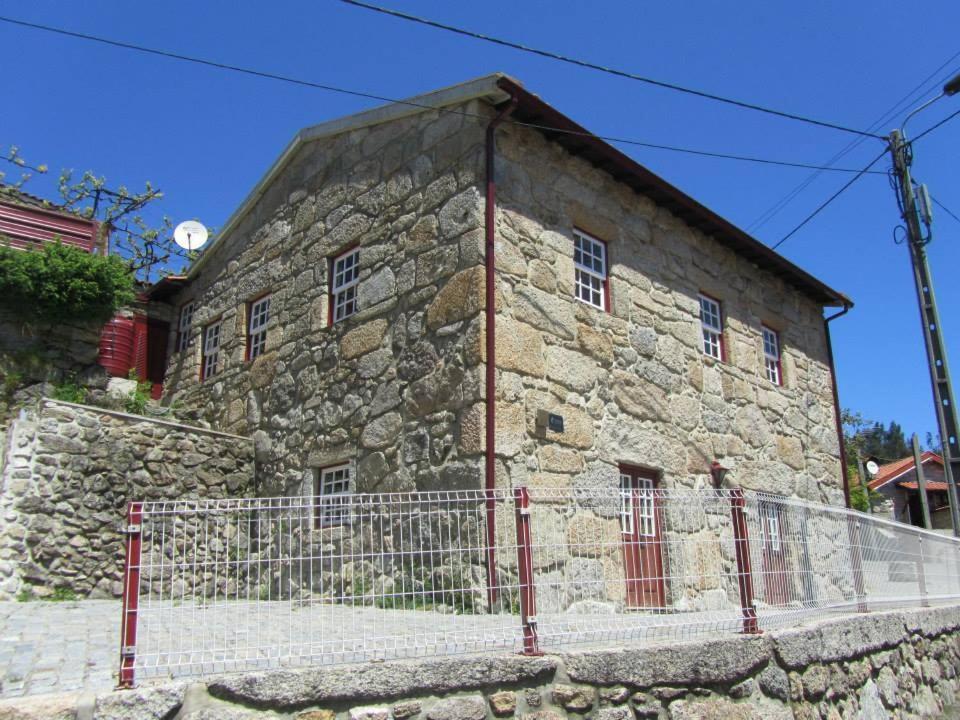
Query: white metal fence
{"type": "Point", "coordinates": [220, 585]}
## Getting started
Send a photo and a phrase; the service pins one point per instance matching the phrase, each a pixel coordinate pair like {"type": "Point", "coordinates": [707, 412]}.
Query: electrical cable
{"type": "Point", "coordinates": [930, 129]}
{"type": "Point", "coordinates": [602, 68]}
{"type": "Point", "coordinates": [907, 99]}
{"type": "Point", "coordinates": [947, 210]}
{"type": "Point", "coordinates": [383, 98]}
{"type": "Point", "coordinates": [829, 200]}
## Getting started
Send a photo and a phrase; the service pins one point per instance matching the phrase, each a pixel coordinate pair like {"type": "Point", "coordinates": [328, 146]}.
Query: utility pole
{"type": "Point", "coordinates": [912, 214]}
{"type": "Point", "coordinates": [921, 482]}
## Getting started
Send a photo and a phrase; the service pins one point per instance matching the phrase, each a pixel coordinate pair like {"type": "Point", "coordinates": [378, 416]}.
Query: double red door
{"type": "Point", "coordinates": [640, 529]}
{"type": "Point", "coordinates": [776, 578]}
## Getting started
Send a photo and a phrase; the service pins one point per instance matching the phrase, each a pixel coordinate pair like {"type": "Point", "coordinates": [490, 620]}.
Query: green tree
{"type": "Point", "coordinates": [147, 247]}
{"type": "Point", "coordinates": [63, 284]}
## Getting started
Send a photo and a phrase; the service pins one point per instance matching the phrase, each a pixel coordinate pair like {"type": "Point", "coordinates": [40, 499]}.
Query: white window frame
{"type": "Point", "coordinates": [344, 282]}
{"type": "Point", "coordinates": [626, 504]}
{"type": "Point", "coordinates": [210, 357]}
{"type": "Point", "coordinates": [185, 326]}
{"type": "Point", "coordinates": [257, 321]}
{"type": "Point", "coordinates": [637, 502]}
{"type": "Point", "coordinates": [772, 531]}
{"type": "Point", "coordinates": [771, 355]}
{"type": "Point", "coordinates": [334, 487]}
{"type": "Point", "coordinates": [711, 324]}
{"type": "Point", "coordinates": [591, 274]}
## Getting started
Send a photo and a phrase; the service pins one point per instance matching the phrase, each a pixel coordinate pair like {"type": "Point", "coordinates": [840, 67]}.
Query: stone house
{"type": "Point", "coordinates": [898, 485]}
{"type": "Point", "coordinates": [394, 265]}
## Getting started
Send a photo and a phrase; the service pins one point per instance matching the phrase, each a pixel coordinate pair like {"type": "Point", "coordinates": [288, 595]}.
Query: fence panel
{"type": "Point", "coordinates": [238, 584]}
{"type": "Point", "coordinates": [221, 585]}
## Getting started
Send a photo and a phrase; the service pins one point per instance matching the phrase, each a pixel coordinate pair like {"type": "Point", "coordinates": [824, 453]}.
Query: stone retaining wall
{"type": "Point", "coordinates": [881, 665]}
{"type": "Point", "coordinates": [69, 471]}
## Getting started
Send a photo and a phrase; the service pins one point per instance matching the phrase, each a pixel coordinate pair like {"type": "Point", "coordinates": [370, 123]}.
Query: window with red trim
{"type": "Point", "coordinates": [590, 270]}
{"type": "Point", "coordinates": [711, 323]}
{"type": "Point", "coordinates": [771, 355]}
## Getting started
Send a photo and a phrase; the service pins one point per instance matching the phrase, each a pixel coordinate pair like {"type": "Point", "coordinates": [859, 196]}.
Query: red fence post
{"type": "Point", "coordinates": [741, 545]}
{"type": "Point", "coordinates": [856, 558]}
{"type": "Point", "coordinates": [131, 595]}
{"type": "Point", "coordinates": [528, 596]}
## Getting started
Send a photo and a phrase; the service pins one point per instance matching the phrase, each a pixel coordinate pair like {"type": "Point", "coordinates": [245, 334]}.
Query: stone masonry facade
{"type": "Point", "coordinates": [898, 664]}
{"type": "Point", "coordinates": [67, 474]}
{"type": "Point", "coordinates": [634, 384]}
{"type": "Point", "coordinates": [398, 388]}
{"type": "Point", "coordinates": [386, 388]}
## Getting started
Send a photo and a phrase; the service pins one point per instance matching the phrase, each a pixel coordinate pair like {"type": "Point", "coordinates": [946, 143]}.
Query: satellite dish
{"type": "Point", "coordinates": [872, 468]}
{"type": "Point", "coordinates": [190, 235]}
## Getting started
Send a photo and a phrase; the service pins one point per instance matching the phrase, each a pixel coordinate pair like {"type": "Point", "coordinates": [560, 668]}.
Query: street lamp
{"type": "Point", "coordinates": [718, 473]}
{"type": "Point", "coordinates": [943, 397]}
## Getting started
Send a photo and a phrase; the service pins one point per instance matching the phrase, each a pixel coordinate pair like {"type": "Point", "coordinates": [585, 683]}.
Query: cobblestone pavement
{"type": "Point", "coordinates": [58, 646]}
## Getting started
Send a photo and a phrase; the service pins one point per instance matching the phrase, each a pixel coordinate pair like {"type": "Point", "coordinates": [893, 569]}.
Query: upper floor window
{"type": "Point", "coordinates": [771, 356]}
{"type": "Point", "coordinates": [344, 278]}
{"type": "Point", "coordinates": [184, 326]}
{"type": "Point", "coordinates": [210, 363]}
{"type": "Point", "coordinates": [590, 269]}
{"type": "Point", "coordinates": [711, 322]}
{"type": "Point", "coordinates": [258, 317]}
{"type": "Point", "coordinates": [333, 495]}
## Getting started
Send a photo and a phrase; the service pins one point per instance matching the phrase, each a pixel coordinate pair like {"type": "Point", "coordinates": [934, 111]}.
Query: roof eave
{"type": "Point", "coordinates": [578, 140]}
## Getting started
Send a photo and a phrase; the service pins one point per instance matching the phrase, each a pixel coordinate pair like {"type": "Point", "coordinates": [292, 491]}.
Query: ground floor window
{"type": "Point", "coordinates": [333, 495]}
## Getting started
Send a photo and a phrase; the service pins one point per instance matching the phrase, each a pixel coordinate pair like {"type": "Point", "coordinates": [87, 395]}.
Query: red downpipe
{"type": "Point", "coordinates": [490, 257]}
{"type": "Point", "coordinates": [836, 404]}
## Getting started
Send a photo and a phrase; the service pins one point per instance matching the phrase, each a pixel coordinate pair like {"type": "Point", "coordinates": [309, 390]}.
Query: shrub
{"type": "Point", "coordinates": [136, 402]}
{"type": "Point", "coordinates": [63, 284]}
{"type": "Point", "coordinates": [70, 391]}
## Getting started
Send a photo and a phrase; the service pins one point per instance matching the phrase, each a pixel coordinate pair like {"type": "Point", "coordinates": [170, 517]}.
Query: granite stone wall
{"type": "Point", "coordinates": [398, 388]}
{"type": "Point", "coordinates": [897, 664]}
{"type": "Point", "coordinates": [384, 389]}
{"type": "Point", "coordinates": [67, 476]}
{"type": "Point", "coordinates": [633, 384]}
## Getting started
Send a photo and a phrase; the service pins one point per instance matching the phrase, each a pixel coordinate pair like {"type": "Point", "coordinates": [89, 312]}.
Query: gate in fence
{"type": "Point", "coordinates": [221, 585]}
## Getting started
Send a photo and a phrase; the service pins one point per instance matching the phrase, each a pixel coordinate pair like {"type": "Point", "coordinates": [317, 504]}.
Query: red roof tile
{"type": "Point", "coordinates": [893, 470]}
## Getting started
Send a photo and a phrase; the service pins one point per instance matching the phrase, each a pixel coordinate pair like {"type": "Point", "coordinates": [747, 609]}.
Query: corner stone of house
{"type": "Point", "coordinates": [893, 664]}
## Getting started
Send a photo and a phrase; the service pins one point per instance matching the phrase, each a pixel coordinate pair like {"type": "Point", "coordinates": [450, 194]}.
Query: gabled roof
{"type": "Point", "coordinates": [891, 471]}
{"type": "Point", "coordinates": [530, 109]}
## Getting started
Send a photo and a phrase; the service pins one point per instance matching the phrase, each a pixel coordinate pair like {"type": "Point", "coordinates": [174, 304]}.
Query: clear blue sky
{"type": "Point", "coordinates": [205, 136]}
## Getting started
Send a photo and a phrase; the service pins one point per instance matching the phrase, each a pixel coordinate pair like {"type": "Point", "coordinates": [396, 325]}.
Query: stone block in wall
{"type": "Point", "coordinates": [461, 297]}
{"type": "Point", "coordinates": [519, 348]}
{"type": "Point", "coordinates": [363, 339]}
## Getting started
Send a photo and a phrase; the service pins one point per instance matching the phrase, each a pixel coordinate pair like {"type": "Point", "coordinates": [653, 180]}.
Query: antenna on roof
{"type": "Point", "coordinates": [190, 235]}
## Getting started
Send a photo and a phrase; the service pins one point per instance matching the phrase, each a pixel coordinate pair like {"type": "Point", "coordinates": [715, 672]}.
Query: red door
{"type": "Point", "coordinates": [640, 530]}
{"type": "Point", "coordinates": [776, 579]}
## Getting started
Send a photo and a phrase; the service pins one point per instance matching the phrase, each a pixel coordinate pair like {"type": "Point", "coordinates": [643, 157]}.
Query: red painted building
{"type": "Point", "coordinates": [27, 221]}
{"type": "Point", "coordinates": [132, 340]}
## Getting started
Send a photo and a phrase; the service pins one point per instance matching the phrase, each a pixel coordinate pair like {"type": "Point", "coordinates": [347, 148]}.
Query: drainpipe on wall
{"type": "Point", "coordinates": [490, 220]}
{"type": "Point", "coordinates": [836, 404]}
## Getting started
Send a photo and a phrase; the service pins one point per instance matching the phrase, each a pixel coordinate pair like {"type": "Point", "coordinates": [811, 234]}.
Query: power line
{"type": "Point", "coordinates": [829, 200]}
{"type": "Point", "coordinates": [930, 129]}
{"type": "Point", "coordinates": [382, 98]}
{"type": "Point", "coordinates": [947, 210]}
{"type": "Point", "coordinates": [772, 211]}
{"type": "Point", "coordinates": [602, 68]}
